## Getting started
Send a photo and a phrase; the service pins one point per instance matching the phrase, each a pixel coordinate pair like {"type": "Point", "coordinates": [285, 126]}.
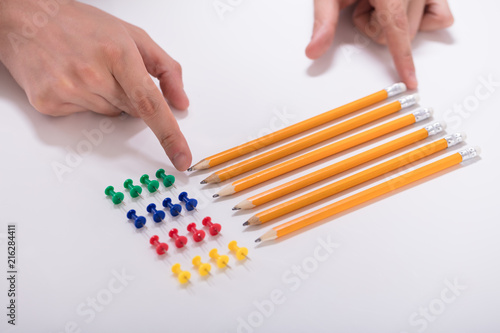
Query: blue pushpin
{"type": "Point", "coordinates": [190, 203]}
{"type": "Point", "coordinates": [175, 209]}
{"type": "Point", "coordinates": [158, 215]}
{"type": "Point", "coordinates": [139, 221]}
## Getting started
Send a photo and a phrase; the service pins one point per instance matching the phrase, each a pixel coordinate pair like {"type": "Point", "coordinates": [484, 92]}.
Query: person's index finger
{"type": "Point", "coordinates": [326, 15]}
{"type": "Point", "coordinates": [391, 14]}
{"type": "Point", "coordinates": [149, 103]}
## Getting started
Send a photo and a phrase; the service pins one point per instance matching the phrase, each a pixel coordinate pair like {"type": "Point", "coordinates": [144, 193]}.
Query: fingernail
{"type": "Point", "coordinates": [180, 161]}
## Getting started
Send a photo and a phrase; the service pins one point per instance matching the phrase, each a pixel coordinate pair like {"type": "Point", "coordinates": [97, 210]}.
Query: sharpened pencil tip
{"type": "Point", "coordinates": [236, 208]}
{"type": "Point", "coordinates": [215, 195]}
{"type": "Point", "coordinates": [203, 182]}
{"type": "Point", "coordinates": [246, 223]}
{"type": "Point", "coordinates": [258, 240]}
{"type": "Point", "coordinates": [190, 169]}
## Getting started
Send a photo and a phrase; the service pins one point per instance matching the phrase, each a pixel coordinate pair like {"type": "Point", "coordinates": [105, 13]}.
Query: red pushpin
{"type": "Point", "coordinates": [161, 248]}
{"type": "Point", "coordinates": [213, 228]}
{"type": "Point", "coordinates": [180, 241]}
{"type": "Point", "coordinates": [198, 235]}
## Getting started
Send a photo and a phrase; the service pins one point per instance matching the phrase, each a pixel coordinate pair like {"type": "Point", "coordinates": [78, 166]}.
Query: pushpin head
{"type": "Point", "coordinates": [161, 248]}
{"type": "Point", "coordinates": [213, 228]}
{"type": "Point", "coordinates": [153, 240]}
{"type": "Point", "coordinates": [139, 221]}
{"type": "Point", "coordinates": [158, 215]}
{"type": "Point", "coordinates": [153, 185]}
{"type": "Point", "coordinates": [175, 209]}
{"type": "Point", "coordinates": [116, 197]}
{"type": "Point", "coordinates": [203, 268]}
{"type": "Point", "coordinates": [135, 191]}
{"type": "Point", "coordinates": [168, 180]}
{"type": "Point", "coordinates": [180, 241]}
{"type": "Point", "coordinates": [241, 252]}
{"type": "Point", "coordinates": [182, 276]}
{"type": "Point", "coordinates": [190, 203]}
{"type": "Point", "coordinates": [221, 260]}
{"type": "Point", "coordinates": [183, 196]}
{"type": "Point", "coordinates": [198, 235]}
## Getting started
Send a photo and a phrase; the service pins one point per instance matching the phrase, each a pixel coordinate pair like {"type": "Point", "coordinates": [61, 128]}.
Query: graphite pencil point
{"type": "Point", "coordinates": [215, 196]}
{"type": "Point", "coordinates": [203, 182]}
{"type": "Point", "coordinates": [236, 208]}
{"type": "Point", "coordinates": [246, 223]}
{"type": "Point", "coordinates": [257, 240]}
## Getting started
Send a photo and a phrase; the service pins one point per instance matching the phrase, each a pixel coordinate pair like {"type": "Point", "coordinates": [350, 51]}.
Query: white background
{"type": "Point", "coordinates": [393, 256]}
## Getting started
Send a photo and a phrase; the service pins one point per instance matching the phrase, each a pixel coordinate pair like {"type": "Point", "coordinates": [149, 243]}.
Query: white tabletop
{"type": "Point", "coordinates": [423, 259]}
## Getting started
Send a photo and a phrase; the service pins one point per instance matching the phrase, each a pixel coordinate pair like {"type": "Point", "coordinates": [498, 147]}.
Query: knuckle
{"type": "Point", "coordinates": [167, 140]}
{"type": "Point", "coordinates": [113, 50]}
{"type": "Point", "coordinates": [140, 31]}
{"type": "Point", "coordinates": [147, 107]}
{"type": "Point", "coordinates": [400, 21]}
{"type": "Point", "coordinates": [45, 101]}
{"type": "Point", "coordinates": [177, 67]}
{"type": "Point", "coordinates": [90, 75]}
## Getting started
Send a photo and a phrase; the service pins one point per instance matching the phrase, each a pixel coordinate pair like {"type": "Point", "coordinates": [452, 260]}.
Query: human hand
{"type": "Point", "coordinates": [390, 22]}
{"type": "Point", "coordinates": [71, 57]}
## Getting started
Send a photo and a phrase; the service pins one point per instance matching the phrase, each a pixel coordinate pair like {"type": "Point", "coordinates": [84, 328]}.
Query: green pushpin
{"type": "Point", "coordinates": [153, 185]}
{"type": "Point", "coordinates": [135, 190]}
{"type": "Point", "coordinates": [168, 180]}
{"type": "Point", "coordinates": [116, 197]}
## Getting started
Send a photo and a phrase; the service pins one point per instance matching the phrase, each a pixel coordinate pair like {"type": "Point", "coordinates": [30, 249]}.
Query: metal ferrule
{"type": "Point", "coordinates": [422, 114]}
{"type": "Point", "coordinates": [454, 139]}
{"type": "Point", "coordinates": [469, 153]}
{"type": "Point", "coordinates": [409, 100]}
{"type": "Point", "coordinates": [395, 89]}
{"type": "Point", "coordinates": [434, 129]}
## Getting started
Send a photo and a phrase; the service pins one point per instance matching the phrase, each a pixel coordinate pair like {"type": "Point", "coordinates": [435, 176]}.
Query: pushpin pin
{"type": "Point", "coordinates": [198, 235]}
{"type": "Point", "coordinates": [214, 228]}
{"type": "Point", "coordinates": [116, 197]}
{"type": "Point", "coordinates": [190, 203]}
{"type": "Point", "coordinates": [153, 185]}
{"type": "Point", "coordinates": [182, 276]}
{"type": "Point", "coordinates": [135, 190]}
{"type": "Point", "coordinates": [180, 241]}
{"type": "Point", "coordinates": [158, 215]}
{"type": "Point", "coordinates": [222, 260]}
{"type": "Point", "coordinates": [241, 252]}
{"type": "Point", "coordinates": [139, 221]}
{"type": "Point", "coordinates": [175, 209]}
{"type": "Point", "coordinates": [168, 180]}
{"type": "Point", "coordinates": [161, 248]}
{"type": "Point", "coordinates": [203, 268]}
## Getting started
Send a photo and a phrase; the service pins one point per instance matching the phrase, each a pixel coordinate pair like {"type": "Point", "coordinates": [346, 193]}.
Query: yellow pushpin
{"type": "Point", "coordinates": [222, 260]}
{"type": "Point", "coordinates": [203, 268]}
{"type": "Point", "coordinates": [241, 252]}
{"type": "Point", "coordinates": [182, 276]}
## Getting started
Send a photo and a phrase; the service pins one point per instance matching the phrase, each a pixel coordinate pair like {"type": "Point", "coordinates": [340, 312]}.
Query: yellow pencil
{"type": "Point", "coordinates": [320, 153]}
{"type": "Point", "coordinates": [299, 127]}
{"type": "Point", "coordinates": [369, 194]}
{"type": "Point", "coordinates": [310, 140]}
{"type": "Point", "coordinates": [356, 179]}
{"type": "Point", "coordinates": [341, 166]}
